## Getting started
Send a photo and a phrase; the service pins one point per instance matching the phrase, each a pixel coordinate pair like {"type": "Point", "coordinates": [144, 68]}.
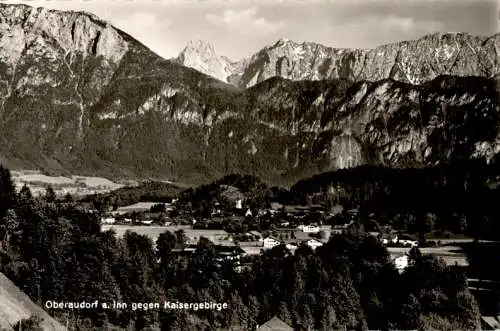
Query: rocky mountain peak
{"type": "Point", "coordinates": [199, 46]}
{"type": "Point", "coordinates": [25, 28]}
{"type": "Point", "coordinates": [282, 42]}
{"type": "Point", "coordinates": [201, 55]}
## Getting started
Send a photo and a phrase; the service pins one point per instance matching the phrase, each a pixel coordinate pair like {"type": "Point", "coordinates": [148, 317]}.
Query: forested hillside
{"type": "Point", "coordinates": [460, 197]}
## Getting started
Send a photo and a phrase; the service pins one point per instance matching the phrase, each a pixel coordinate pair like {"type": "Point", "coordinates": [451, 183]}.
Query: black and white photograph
{"type": "Point", "coordinates": [249, 165]}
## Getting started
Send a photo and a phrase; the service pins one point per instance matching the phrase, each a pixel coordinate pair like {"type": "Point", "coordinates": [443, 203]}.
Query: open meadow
{"type": "Point", "coordinates": [74, 185]}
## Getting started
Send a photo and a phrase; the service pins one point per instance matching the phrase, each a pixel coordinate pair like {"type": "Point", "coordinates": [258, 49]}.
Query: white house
{"type": "Point", "coordinates": [401, 262]}
{"type": "Point", "coordinates": [271, 242]}
{"type": "Point", "coordinates": [313, 243]}
{"type": "Point", "coordinates": [108, 220]}
{"type": "Point", "coordinates": [291, 246]}
{"type": "Point", "coordinates": [411, 243]}
{"type": "Point", "coordinates": [239, 204]}
{"type": "Point", "coordinates": [311, 228]}
{"type": "Point", "coordinates": [386, 241]}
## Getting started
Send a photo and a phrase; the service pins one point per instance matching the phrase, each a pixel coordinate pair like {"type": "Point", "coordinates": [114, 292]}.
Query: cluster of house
{"type": "Point", "coordinates": [395, 240]}
{"type": "Point", "coordinates": [283, 216]}
{"type": "Point", "coordinates": [140, 212]}
{"type": "Point", "coordinates": [271, 242]}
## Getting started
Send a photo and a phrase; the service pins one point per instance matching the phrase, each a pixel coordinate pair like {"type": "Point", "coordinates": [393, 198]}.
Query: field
{"type": "Point", "coordinates": [153, 232]}
{"type": "Point", "coordinates": [450, 254]}
{"type": "Point", "coordinates": [75, 185]}
{"type": "Point", "coordinates": [15, 305]}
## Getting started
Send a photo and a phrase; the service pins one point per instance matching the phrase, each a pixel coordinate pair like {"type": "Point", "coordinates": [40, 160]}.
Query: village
{"type": "Point", "coordinates": [241, 231]}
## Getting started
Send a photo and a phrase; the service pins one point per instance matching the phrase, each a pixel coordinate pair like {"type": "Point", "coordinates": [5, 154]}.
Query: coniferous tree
{"type": "Point", "coordinates": [7, 191]}
{"type": "Point", "coordinates": [50, 194]}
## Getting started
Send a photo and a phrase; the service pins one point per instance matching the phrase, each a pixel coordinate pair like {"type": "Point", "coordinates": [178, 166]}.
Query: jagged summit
{"type": "Point", "coordinates": [200, 46]}
{"type": "Point", "coordinates": [201, 55]}
{"type": "Point", "coordinates": [282, 41]}
{"type": "Point", "coordinates": [411, 61]}
{"type": "Point", "coordinates": [286, 42]}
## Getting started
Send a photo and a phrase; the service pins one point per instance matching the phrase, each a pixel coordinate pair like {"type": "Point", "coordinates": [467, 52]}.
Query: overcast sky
{"type": "Point", "coordinates": [238, 28]}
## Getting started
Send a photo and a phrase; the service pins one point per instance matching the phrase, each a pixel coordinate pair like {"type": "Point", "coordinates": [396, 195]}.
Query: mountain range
{"type": "Point", "coordinates": [78, 95]}
{"type": "Point", "coordinates": [414, 62]}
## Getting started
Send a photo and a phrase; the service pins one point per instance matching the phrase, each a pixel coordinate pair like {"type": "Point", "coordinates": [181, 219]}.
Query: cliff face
{"type": "Point", "coordinates": [78, 95]}
{"type": "Point", "coordinates": [414, 61]}
{"type": "Point", "coordinates": [387, 122]}
{"type": "Point", "coordinates": [53, 63]}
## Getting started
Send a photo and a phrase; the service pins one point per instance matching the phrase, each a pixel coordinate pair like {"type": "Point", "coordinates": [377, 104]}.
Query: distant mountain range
{"type": "Point", "coordinates": [80, 96]}
{"type": "Point", "coordinates": [413, 62]}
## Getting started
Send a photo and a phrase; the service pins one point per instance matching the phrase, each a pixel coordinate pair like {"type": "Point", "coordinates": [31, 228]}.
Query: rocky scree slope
{"type": "Point", "coordinates": [78, 95]}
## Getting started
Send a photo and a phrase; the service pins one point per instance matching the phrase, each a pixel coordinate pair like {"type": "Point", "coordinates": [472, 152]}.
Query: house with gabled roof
{"type": "Point", "coordinates": [314, 243]}
{"type": "Point", "coordinates": [275, 324]}
{"type": "Point", "coordinates": [490, 322]}
{"type": "Point", "coordinates": [271, 242]}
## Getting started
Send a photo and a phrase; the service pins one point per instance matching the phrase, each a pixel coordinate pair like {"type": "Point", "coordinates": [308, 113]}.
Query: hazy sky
{"type": "Point", "coordinates": [238, 28]}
